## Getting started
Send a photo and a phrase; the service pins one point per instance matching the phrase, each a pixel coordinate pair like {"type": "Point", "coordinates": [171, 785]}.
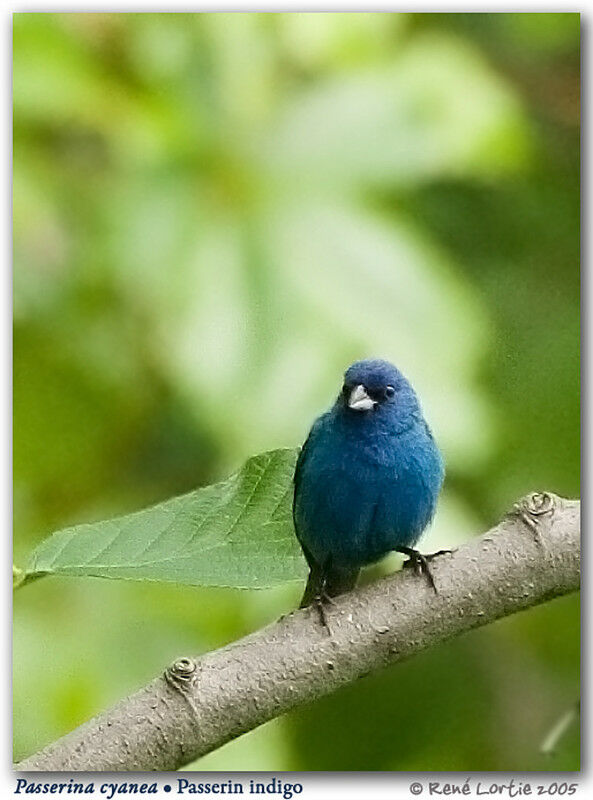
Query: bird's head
{"type": "Point", "coordinates": [375, 387]}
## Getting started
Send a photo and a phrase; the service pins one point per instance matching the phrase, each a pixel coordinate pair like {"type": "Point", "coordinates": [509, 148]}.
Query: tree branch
{"type": "Point", "coordinates": [200, 704]}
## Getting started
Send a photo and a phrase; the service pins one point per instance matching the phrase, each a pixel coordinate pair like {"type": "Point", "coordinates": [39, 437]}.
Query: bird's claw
{"type": "Point", "coordinates": [430, 556]}
{"type": "Point", "coordinates": [321, 601]}
{"type": "Point", "coordinates": [422, 567]}
{"type": "Point", "coordinates": [419, 563]}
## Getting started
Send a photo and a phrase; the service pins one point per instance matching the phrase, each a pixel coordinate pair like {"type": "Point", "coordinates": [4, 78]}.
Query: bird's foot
{"type": "Point", "coordinates": [419, 562]}
{"type": "Point", "coordinates": [321, 601]}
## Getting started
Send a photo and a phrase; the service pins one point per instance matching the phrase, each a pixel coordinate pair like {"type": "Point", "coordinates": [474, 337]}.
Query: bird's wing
{"type": "Point", "coordinates": [298, 472]}
{"type": "Point", "coordinates": [304, 454]}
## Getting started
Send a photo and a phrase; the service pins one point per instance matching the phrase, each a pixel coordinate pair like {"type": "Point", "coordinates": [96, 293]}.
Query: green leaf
{"type": "Point", "coordinates": [235, 533]}
{"type": "Point", "coordinates": [18, 576]}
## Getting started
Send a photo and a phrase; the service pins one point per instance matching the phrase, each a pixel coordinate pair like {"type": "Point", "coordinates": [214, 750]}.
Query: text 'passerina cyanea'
{"type": "Point", "coordinates": [366, 481]}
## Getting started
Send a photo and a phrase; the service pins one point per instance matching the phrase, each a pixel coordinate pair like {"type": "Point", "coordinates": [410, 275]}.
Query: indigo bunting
{"type": "Point", "coordinates": [366, 481]}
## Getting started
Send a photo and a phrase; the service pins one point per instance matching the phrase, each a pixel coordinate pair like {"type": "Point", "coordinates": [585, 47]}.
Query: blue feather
{"type": "Point", "coordinates": [368, 477]}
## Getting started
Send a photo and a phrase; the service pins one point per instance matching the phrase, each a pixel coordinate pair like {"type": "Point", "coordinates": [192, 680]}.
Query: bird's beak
{"type": "Point", "coordinates": [359, 400]}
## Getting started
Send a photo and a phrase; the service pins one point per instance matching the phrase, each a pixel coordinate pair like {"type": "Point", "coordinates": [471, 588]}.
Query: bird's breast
{"type": "Point", "coordinates": [360, 497]}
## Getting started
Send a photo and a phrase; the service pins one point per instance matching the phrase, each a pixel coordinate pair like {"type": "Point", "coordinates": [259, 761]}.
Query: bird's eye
{"type": "Point", "coordinates": [389, 391]}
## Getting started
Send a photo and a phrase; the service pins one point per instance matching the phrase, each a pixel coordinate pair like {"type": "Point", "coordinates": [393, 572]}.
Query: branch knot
{"type": "Point", "coordinates": [181, 674]}
{"type": "Point", "coordinates": [533, 506]}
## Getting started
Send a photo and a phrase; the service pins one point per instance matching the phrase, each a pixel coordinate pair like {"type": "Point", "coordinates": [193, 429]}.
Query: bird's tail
{"type": "Point", "coordinates": [328, 583]}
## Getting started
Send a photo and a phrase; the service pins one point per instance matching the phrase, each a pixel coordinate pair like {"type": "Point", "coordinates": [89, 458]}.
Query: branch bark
{"type": "Point", "coordinates": [201, 703]}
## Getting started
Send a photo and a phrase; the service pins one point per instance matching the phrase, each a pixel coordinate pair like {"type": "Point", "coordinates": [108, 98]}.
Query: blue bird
{"type": "Point", "coordinates": [367, 480]}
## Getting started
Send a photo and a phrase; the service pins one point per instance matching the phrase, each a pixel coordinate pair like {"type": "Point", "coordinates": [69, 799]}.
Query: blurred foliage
{"type": "Point", "coordinates": [213, 215]}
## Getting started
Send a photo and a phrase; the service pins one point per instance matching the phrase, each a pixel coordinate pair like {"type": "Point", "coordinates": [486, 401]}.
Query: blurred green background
{"type": "Point", "coordinates": [213, 215]}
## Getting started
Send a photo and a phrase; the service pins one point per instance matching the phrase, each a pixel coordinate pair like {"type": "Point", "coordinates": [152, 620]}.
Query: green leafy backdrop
{"type": "Point", "coordinates": [213, 215]}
